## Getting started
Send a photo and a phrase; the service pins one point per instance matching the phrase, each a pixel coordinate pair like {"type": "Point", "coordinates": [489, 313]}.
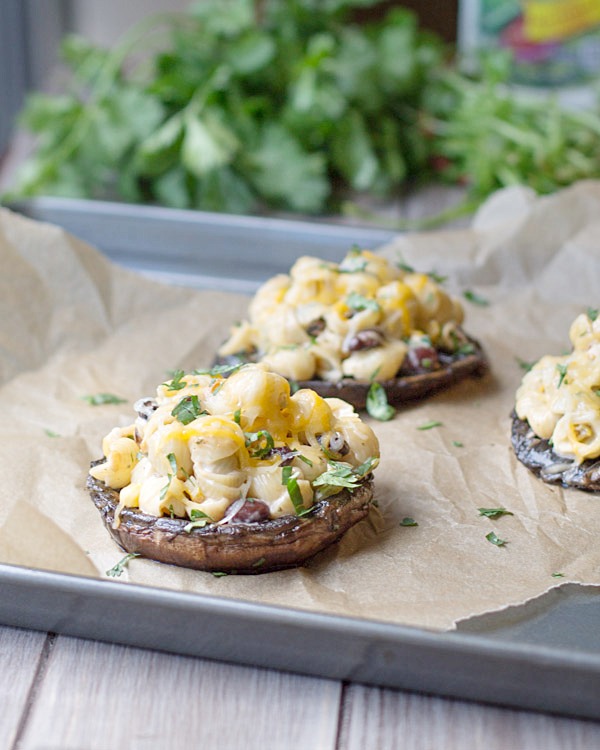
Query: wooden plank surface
{"type": "Point", "coordinates": [20, 660]}
{"type": "Point", "coordinates": [97, 696]}
{"type": "Point", "coordinates": [389, 719]}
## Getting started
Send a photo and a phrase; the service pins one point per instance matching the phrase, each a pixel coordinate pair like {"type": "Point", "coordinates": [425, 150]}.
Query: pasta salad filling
{"type": "Point", "coordinates": [241, 448]}
{"type": "Point", "coordinates": [363, 318]}
{"type": "Point", "coordinates": [560, 396]}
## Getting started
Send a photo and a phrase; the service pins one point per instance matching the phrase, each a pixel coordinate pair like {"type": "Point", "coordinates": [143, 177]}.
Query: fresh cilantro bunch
{"type": "Point", "coordinates": [236, 106]}
{"type": "Point", "coordinates": [487, 135]}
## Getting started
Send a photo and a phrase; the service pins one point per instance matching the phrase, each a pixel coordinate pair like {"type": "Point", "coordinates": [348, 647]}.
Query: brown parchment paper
{"type": "Point", "coordinates": [72, 324]}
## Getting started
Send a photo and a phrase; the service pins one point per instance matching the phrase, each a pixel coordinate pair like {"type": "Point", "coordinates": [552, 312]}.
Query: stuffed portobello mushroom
{"type": "Point", "coordinates": [234, 474]}
{"type": "Point", "coordinates": [556, 420]}
{"type": "Point", "coordinates": [337, 328]}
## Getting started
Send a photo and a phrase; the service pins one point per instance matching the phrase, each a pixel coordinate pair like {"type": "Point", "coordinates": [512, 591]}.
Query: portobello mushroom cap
{"type": "Point", "coordinates": [453, 368]}
{"type": "Point", "coordinates": [538, 456]}
{"type": "Point", "coordinates": [239, 547]}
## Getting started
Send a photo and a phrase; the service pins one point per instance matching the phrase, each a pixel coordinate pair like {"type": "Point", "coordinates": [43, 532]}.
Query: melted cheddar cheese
{"type": "Point", "coordinates": [305, 324]}
{"type": "Point", "coordinates": [208, 441]}
{"type": "Point", "coordinates": [560, 396]}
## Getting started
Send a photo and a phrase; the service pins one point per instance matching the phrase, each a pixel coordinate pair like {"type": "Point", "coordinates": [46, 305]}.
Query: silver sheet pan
{"type": "Point", "coordinates": [542, 656]}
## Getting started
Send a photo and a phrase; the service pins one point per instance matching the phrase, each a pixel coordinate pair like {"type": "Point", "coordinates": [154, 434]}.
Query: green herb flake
{"type": "Point", "coordinates": [494, 512]}
{"type": "Point", "coordinates": [562, 372]}
{"type": "Point", "coordinates": [475, 298]}
{"type": "Point", "coordinates": [558, 575]}
{"type": "Point", "coordinates": [219, 574]}
{"type": "Point", "coordinates": [177, 382]}
{"type": "Point", "coordinates": [187, 409]}
{"type": "Point", "coordinates": [51, 433]}
{"type": "Point", "coordinates": [259, 444]}
{"type": "Point", "coordinates": [218, 370]}
{"type": "Point", "coordinates": [237, 416]}
{"type": "Point", "coordinates": [524, 365]}
{"type": "Point", "coordinates": [199, 520]}
{"type": "Point", "coordinates": [286, 474]}
{"type": "Point", "coordinates": [259, 563]}
{"type": "Point", "coordinates": [295, 494]}
{"type": "Point", "coordinates": [495, 540]}
{"type": "Point", "coordinates": [358, 302]}
{"type": "Point", "coordinates": [118, 569]}
{"type": "Point", "coordinates": [592, 313]}
{"type": "Point", "coordinates": [377, 403]}
{"type": "Point", "coordinates": [306, 460]}
{"type": "Point", "coordinates": [403, 266]}
{"type": "Point", "coordinates": [434, 276]}
{"type": "Point", "coordinates": [408, 521]}
{"type": "Point", "coordinates": [458, 444]}
{"type": "Point", "coordinates": [430, 425]}
{"type": "Point", "coordinates": [172, 463]}
{"type": "Point", "coordinates": [100, 399]}
{"type": "Point", "coordinates": [341, 474]}
{"type": "Point", "coordinates": [171, 510]}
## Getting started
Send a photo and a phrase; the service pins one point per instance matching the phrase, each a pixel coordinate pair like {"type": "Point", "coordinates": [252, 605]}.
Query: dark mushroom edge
{"type": "Point", "coordinates": [238, 547]}
{"type": "Point", "coordinates": [417, 383]}
{"type": "Point", "coordinates": [538, 456]}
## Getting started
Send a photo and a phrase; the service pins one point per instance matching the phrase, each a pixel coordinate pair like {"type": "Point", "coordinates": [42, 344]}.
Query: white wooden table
{"type": "Point", "coordinates": [62, 693]}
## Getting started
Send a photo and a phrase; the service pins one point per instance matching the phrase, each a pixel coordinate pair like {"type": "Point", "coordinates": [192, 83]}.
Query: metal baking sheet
{"type": "Point", "coordinates": [544, 655]}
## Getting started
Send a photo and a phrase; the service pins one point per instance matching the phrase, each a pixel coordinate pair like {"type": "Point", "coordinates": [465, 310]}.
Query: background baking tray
{"type": "Point", "coordinates": [544, 655]}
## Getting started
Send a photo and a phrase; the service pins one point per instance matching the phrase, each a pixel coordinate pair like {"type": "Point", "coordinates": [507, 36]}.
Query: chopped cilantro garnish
{"type": "Point", "coordinates": [295, 494]}
{"type": "Point", "coordinates": [51, 433]}
{"type": "Point", "coordinates": [259, 563]}
{"type": "Point", "coordinates": [259, 444]}
{"type": "Point", "coordinates": [177, 382]}
{"type": "Point", "coordinates": [434, 276]}
{"type": "Point", "coordinates": [219, 370]}
{"type": "Point", "coordinates": [408, 521]}
{"type": "Point", "coordinates": [307, 461]}
{"type": "Point", "coordinates": [404, 266]}
{"type": "Point", "coordinates": [117, 569]}
{"type": "Point", "coordinates": [172, 463]}
{"type": "Point", "coordinates": [458, 444]}
{"type": "Point", "coordinates": [286, 474]}
{"type": "Point", "coordinates": [592, 313]}
{"type": "Point", "coordinates": [219, 573]}
{"type": "Point", "coordinates": [493, 539]}
{"type": "Point", "coordinates": [353, 262]}
{"type": "Point", "coordinates": [237, 416]}
{"type": "Point", "coordinates": [494, 512]}
{"type": "Point", "coordinates": [475, 298]}
{"type": "Point", "coordinates": [99, 399]}
{"type": "Point", "coordinates": [377, 403]}
{"type": "Point", "coordinates": [558, 575]}
{"type": "Point", "coordinates": [430, 425]}
{"type": "Point", "coordinates": [171, 510]}
{"type": "Point", "coordinates": [199, 520]}
{"type": "Point", "coordinates": [562, 372]}
{"type": "Point", "coordinates": [164, 490]}
{"type": "Point", "coordinates": [524, 365]}
{"type": "Point", "coordinates": [187, 409]}
{"type": "Point", "coordinates": [358, 302]}
{"type": "Point", "coordinates": [341, 474]}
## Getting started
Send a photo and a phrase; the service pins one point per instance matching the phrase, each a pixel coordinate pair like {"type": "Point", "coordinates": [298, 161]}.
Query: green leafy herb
{"type": "Point", "coordinates": [494, 512]}
{"type": "Point", "coordinates": [408, 521]}
{"type": "Point", "coordinates": [524, 365]}
{"type": "Point", "coordinates": [434, 276]}
{"type": "Point", "coordinates": [475, 298]}
{"type": "Point", "coordinates": [341, 474]}
{"type": "Point", "coordinates": [458, 444]}
{"type": "Point", "coordinates": [406, 267]}
{"type": "Point", "coordinates": [51, 433]}
{"type": "Point", "coordinates": [177, 382]}
{"type": "Point", "coordinates": [430, 425]}
{"type": "Point", "coordinates": [164, 490]}
{"type": "Point", "coordinates": [286, 473]}
{"type": "Point", "coordinates": [237, 416]}
{"type": "Point", "coordinates": [118, 569]}
{"type": "Point", "coordinates": [172, 463]}
{"type": "Point", "coordinates": [99, 399]}
{"type": "Point", "coordinates": [377, 403]}
{"type": "Point", "coordinates": [259, 444]}
{"type": "Point", "coordinates": [219, 573]}
{"type": "Point", "coordinates": [187, 409]}
{"type": "Point", "coordinates": [306, 460]}
{"type": "Point", "coordinates": [562, 372]}
{"type": "Point", "coordinates": [558, 575]}
{"type": "Point", "coordinates": [353, 262]}
{"type": "Point", "coordinates": [295, 495]}
{"type": "Point", "coordinates": [493, 539]}
{"type": "Point", "coordinates": [358, 302]}
{"type": "Point", "coordinates": [259, 563]}
{"type": "Point", "coordinates": [171, 510]}
{"type": "Point", "coordinates": [219, 370]}
{"type": "Point", "coordinates": [592, 313]}
{"type": "Point", "coordinates": [199, 520]}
